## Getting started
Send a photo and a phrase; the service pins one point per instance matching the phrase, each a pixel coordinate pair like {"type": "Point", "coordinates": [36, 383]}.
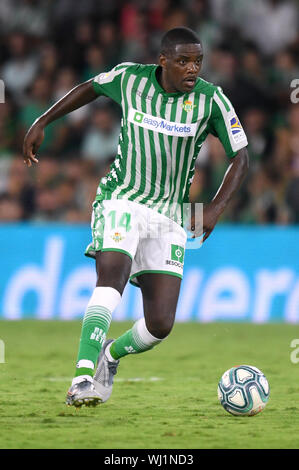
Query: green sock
{"type": "Point", "coordinates": [95, 325]}
{"type": "Point", "coordinates": [134, 341]}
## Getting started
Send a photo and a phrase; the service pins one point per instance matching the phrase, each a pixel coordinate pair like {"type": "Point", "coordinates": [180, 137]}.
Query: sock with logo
{"type": "Point", "coordinates": [96, 323]}
{"type": "Point", "coordinates": [136, 340]}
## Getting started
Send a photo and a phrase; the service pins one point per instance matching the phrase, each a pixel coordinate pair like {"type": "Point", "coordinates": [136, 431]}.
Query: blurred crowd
{"type": "Point", "coordinates": [251, 49]}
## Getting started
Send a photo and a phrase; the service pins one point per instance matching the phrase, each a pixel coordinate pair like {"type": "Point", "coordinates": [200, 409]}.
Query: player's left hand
{"type": "Point", "coordinates": [32, 141]}
{"type": "Point", "coordinates": [205, 227]}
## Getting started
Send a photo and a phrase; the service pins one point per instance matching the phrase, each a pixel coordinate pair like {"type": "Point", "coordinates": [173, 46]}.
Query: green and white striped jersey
{"type": "Point", "coordinates": [161, 136]}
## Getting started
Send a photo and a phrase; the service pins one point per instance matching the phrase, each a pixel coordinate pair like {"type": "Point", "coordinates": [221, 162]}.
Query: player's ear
{"type": "Point", "coordinates": [162, 59]}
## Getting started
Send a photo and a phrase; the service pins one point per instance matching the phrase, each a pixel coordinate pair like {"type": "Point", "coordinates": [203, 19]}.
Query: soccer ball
{"type": "Point", "coordinates": [243, 390]}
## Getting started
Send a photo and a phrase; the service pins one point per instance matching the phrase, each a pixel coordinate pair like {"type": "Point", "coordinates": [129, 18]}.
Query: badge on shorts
{"type": "Point", "coordinates": [117, 237]}
{"type": "Point", "coordinates": [177, 253]}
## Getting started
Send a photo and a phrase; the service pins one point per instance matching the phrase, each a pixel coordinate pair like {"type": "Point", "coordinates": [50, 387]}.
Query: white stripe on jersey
{"type": "Point", "coordinates": [189, 119]}
{"type": "Point", "coordinates": [128, 157]}
{"type": "Point", "coordinates": [205, 123]}
{"type": "Point", "coordinates": [158, 156]}
{"type": "Point", "coordinates": [147, 151]}
{"type": "Point", "coordinates": [139, 92]}
{"type": "Point", "coordinates": [227, 116]}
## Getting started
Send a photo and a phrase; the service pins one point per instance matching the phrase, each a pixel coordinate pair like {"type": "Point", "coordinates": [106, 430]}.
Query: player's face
{"type": "Point", "coordinates": [181, 67]}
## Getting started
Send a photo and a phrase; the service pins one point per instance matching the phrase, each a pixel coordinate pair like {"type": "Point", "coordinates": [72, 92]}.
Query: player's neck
{"type": "Point", "coordinates": [163, 82]}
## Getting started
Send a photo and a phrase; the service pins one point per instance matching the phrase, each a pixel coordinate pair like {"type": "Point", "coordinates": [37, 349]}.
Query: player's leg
{"type": "Point", "coordinates": [113, 269]}
{"type": "Point", "coordinates": [160, 295]}
{"type": "Point", "coordinates": [114, 242]}
{"type": "Point", "coordinates": [158, 272]}
{"type": "Point", "coordinates": [157, 268]}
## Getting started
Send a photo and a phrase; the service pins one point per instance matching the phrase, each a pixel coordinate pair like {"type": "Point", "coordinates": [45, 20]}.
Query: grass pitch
{"type": "Point", "coordinates": [163, 399]}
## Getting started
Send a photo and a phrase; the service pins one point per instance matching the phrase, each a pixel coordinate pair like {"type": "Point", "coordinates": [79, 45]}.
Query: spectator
{"type": "Point", "coordinates": [28, 16]}
{"type": "Point", "coordinates": [260, 138]}
{"type": "Point", "coordinates": [286, 154]}
{"type": "Point", "coordinates": [10, 209]}
{"type": "Point", "coordinates": [101, 141]}
{"type": "Point", "coordinates": [285, 68]}
{"type": "Point", "coordinates": [47, 205]}
{"type": "Point", "coordinates": [7, 127]}
{"type": "Point", "coordinates": [287, 159]}
{"type": "Point", "coordinates": [40, 100]}
{"type": "Point", "coordinates": [108, 38]}
{"type": "Point", "coordinates": [31, 17]}
{"type": "Point", "coordinates": [134, 31]}
{"type": "Point", "coordinates": [48, 171]}
{"type": "Point", "coordinates": [43, 55]}
{"type": "Point", "coordinates": [19, 71]}
{"type": "Point", "coordinates": [292, 198]}
{"type": "Point", "coordinates": [261, 22]}
{"type": "Point", "coordinates": [265, 204]}
{"type": "Point", "coordinates": [74, 52]}
{"type": "Point", "coordinates": [48, 60]}
{"type": "Point", "coordinates": [95, 62]}
{"type": "Point", "coordinates": [7, 11]}
{"type": "Point", "coordinates": [75, 122]}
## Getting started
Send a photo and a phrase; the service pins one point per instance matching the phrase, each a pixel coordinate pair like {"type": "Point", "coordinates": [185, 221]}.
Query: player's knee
{"type": "Point", "coordinates": [160, 328]}
{"type": "Point", "coordinates": [117, 283]}
{"type": "Point", "coordinates": [113, 270]}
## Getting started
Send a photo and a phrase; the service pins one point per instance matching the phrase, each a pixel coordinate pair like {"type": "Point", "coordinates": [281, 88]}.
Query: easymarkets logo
{"type": "Point", "coordinates": [158, 124]}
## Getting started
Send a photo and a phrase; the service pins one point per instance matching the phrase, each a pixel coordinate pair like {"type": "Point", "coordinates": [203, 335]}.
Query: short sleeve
{"type": "Point", "coordinates": [109, 83]}
{"type": "Point", "coordinates": [224, 124]}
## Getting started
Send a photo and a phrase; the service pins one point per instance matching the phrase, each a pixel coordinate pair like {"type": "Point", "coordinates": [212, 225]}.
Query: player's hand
{"type": "Point", "coordinates": [205, 227]}
{"type": "Point", "coordinates": [210, 218]}
{"type": "Point", "coordinates": [32, 142]}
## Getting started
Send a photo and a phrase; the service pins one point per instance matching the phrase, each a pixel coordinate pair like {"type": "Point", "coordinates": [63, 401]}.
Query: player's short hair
{"type": "Point", "coordinates": [176, 36]}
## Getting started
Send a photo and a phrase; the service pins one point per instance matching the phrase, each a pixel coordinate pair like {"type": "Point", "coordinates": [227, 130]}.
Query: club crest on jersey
{"type": "Point", "coordinates": [117, 237]}
{"type": "Point", "coordinates": [188, 106]}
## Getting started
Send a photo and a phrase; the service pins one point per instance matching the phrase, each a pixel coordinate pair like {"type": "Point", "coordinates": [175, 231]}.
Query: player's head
{"type": "Point", "coordinates": [181, 59]}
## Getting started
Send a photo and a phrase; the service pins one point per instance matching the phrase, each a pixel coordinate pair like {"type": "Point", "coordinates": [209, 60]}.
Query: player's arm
{"type": "Point", "coordinates": [107, 84]}
{"type": "Point", "coordinates": [74, 99]}
{"type": "Point", "coordinates": [231, 182]}
{"type": "Point", "coordinates": [225, 125]}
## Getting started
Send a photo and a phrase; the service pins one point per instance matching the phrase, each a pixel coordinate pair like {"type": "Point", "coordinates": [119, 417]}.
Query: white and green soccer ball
{"type": "Point", "coordinates": [243, 390]}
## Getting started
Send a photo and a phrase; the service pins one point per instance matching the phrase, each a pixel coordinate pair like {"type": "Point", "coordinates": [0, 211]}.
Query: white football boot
{"type": "Point", "coordinates": [83, 393]}
{"type": "Point", "coordinates": [105, 372]}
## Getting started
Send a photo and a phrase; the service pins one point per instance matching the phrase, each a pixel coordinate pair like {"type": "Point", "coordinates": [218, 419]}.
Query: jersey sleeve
{"type": "Point", "coordinates": [224, 124]}
{"type": "Point", "coordinates": [109, 83]}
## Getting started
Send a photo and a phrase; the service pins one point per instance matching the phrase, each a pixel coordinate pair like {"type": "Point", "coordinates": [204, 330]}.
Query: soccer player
{"type": "Point", "coordinates": [137, 231]}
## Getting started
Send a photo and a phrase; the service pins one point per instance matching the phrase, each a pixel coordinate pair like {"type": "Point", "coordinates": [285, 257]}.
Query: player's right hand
{"type": "Point", "coordinates": [32, 141]}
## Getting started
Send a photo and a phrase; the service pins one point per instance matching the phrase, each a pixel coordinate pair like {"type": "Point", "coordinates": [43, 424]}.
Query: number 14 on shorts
{"type": "Point", "coordinates": [120, 220]}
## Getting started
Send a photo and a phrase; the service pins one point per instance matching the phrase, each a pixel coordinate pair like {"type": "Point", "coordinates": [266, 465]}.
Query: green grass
{"type": "Point", "coordinates": [177, 410]}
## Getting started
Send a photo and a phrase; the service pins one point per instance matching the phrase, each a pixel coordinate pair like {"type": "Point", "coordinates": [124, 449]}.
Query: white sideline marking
{"type": "Point", "coordinates": [139, 379]}
{"type": "Point", "coordinates": [117, 379]}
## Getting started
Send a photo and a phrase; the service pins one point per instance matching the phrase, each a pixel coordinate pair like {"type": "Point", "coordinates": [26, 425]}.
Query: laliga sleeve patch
{"type": "Point", "coordinates": [236, 130]}
{"type": "Point", "coordinates": [104, 77]}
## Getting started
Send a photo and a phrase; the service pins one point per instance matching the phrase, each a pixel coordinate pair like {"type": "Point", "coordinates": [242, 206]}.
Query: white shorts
{"type": "Point", "coordinates": [155, 243]}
